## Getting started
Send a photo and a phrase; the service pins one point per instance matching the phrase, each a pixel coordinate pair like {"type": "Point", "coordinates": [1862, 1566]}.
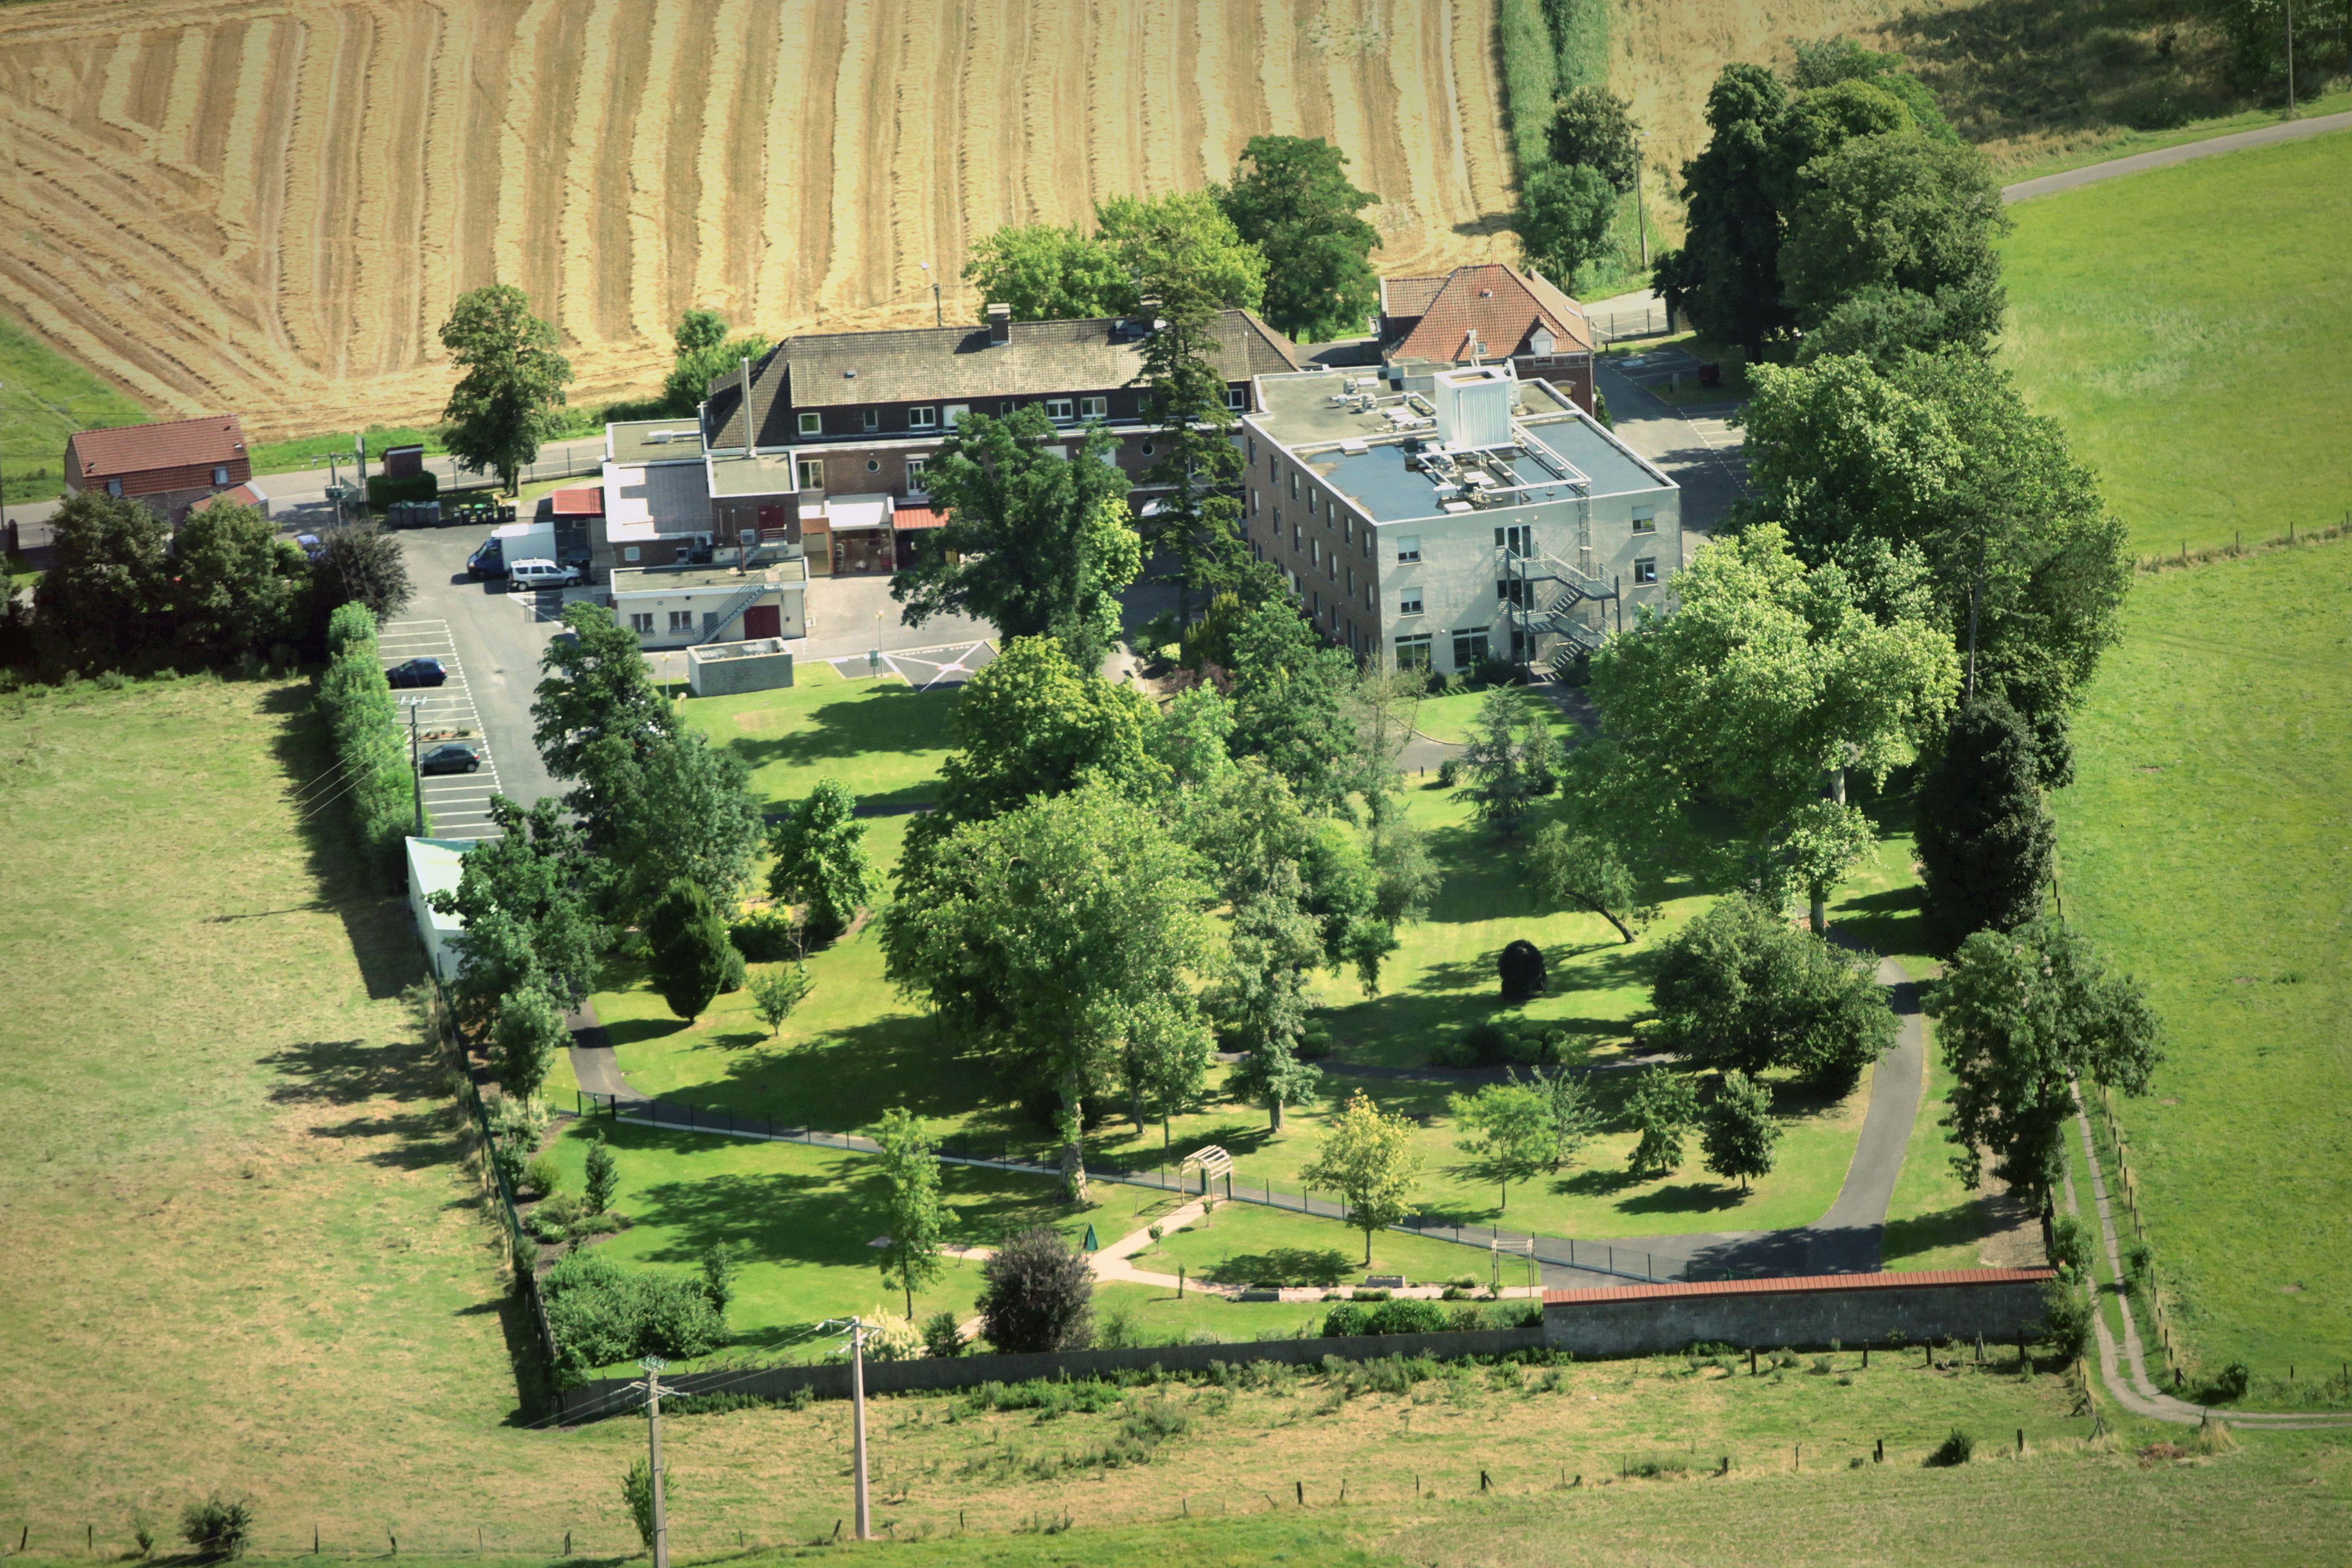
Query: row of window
{"type": "Point", "coordinates": [220, 481]}
{"type": "Point", "coordinates": [1061, 410]}
{"type": "Point", "coordinates": [1469, 648]}
{"type": "Point", "coordinates": [1509, 590]}
{"type": "Point", "coordinates": [642, 622]}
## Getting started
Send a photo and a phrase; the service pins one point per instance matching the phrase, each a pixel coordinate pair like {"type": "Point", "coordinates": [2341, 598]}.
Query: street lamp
{"type": "Point", "coordinates": [416, 768]}
{"type": "Point", "coordinates": [939, 312]}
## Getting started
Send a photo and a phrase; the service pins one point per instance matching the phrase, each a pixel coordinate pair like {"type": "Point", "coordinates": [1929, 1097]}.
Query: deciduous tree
{"type": "Point", "coordinates": [104, 598]}
{"type": "Point", "coordinates": [1508, 1128]}
{"type": "Point", "coordinates": [1032, 724]}
{"type": "Point", "coordinates": [1567, 1099]}
{"type": "Point", "coordinates": [1288, 692]}
{"type": "Point", "coordinates": [1662, 1109]}
{"type": "Point", "coordinates": [1900, 213]}
{"type": "Point", "coordinates": [1571, 868]}
{"type": "Point", "coordinates": [1591, 129]}
{"type": "Point", "coordinates": [510, 382]}
{"type": "Point", "coordinates": [1262, 999]}
{"type": "Point", "coordinates": [1048, 272]}
{"type": "Point", "coordinates": [234, 582]}
{"type": "Point", "coordinates": [530, 1031]}
{"type": "Point", "coordinates": [919, 1213]}
{"type": "Point", "coordinates": [776, 992]}
{"type": "Point", "coordinates": [1739, 990]}
{"type": "Point", "coordinates": [1563, 219]}
{"type": "Point", "coordinates": [820, 861]}
{"type": "Point", "coordinates": [1291, 198]}
{"type": "Point", "coordinates": [1985, 837]}
{"type": "Point", "coordinates": [1367, 1157]}
{"type": "Point", "coordinates": [675, 807]}
{"type": "Point", "coordinates": [1737, 1133]}
{"type": "Point", "coordinates": [524, 896]}
{"type": "Point", "coordinates": [596, 689]}
{"type": "Point", "coordinates": [1816, 844]}
{"type": "Point", "coordinates": [361, 563]}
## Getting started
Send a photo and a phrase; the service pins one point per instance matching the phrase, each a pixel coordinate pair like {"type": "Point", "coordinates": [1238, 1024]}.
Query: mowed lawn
{"type": "Point", "coordinates": [2188, 327]}
{"type": "Point", "coordinates": [2208, 847]}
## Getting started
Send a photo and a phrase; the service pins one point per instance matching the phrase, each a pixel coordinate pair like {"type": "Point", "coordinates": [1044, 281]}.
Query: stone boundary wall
{"type": "Point", "coordinates": [830, 1379]}
{"type": "Point", "coordinates": [1796, 1314]}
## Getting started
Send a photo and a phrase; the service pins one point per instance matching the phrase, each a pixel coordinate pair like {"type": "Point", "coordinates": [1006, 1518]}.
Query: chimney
{"type": "Point", "coordinates": [1000, 325]}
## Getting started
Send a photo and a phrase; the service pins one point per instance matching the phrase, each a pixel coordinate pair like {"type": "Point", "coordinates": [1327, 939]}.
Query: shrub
{"type": "Point", "coordinates": [382, 489]}
{"type": "Point", "coordinates": [1409, 1316]}
{"type": "Point", "coordinates": [1037, 1295]}
{"type": "Point", "coordinates": [1957, 1449]}
{"type": "Point", "coordinates": [543, 1176]}
{"type": "Point", "coordinates": [2069, 1246]}
{"type": "Point", "coordinates": [2066, 1319]}
{"type": "Point", "coordinates": [1483, 1045]}
{"type": "Point", "coordinates": [2232, 1383]}
{"type": "Point", "coordinates": [1314, 1045]}
{"type": "Point", "coordinates": [764, 938]}
{"type": "Point", "coordinates": [1449, 772]}
{"type": "Point", "coordinates": [889, 1337]}
{"type": "Point", "coordinates": [637, 1493]}
{"type": "Point", "coordinates": [370, 744]}
{"type": "Point", "coordinates": [1344, 1321]}
{"type": "Point", "coordinates": [718, 1276]}
{"type": "Point", "coordinates": [604, 1175]}
{"type": "Point", "coordinates": [1466, 1320]}
{"type": "Point", "coordinates": [940, 1336]}
{"type": "Point", "coordinates": [216, 1527]}
{"type": "Point", "coordinates": [601, 1313]}
{"type": "Point", "coordinates": [686, 949]}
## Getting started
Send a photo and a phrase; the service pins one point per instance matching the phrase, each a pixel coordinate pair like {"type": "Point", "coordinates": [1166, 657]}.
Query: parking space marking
{"type": "Point", "coordinates": [458, 804]}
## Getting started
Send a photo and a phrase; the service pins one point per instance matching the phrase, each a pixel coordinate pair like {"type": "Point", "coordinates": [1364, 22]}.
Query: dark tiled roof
{"type": "Point", "coordinates": [1804, 1282]}
{"type": "Point", "coordinates": [1504, 307]}
{"type": "Point", "coordinates": [957, 365]}
{"type": "Point", "coordinates": [1409, 296]}
{"type": "Point", "coordinates": [213, 440]}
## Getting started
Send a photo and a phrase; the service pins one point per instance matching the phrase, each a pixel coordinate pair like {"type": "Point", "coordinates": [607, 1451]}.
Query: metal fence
{"type": "Point", "coordinates": [1005, 1154]}
{"type": "Point", "coordinates": [1652, 322]}
{"type": "Point", "coordinates": [520, 1248]}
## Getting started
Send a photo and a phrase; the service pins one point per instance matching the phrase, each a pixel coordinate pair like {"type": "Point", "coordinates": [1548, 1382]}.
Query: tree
{"type": "Point", "coordinates": [1571, 868]}
{"type": "Point", "coordinates": [1262, 999]}
{"type": "Point", "coordinates": [777, 992]}
{"type": "Point", "coordinates": [687, 948]}
{"type": "Point", "coordinates": [1508, 1127]}
{"type": "Point", "coordinates": [1032, 724]}
{"type": "Point", "coordinates": [361, 563]}
{"type": "Point", "coordinates": [1737, 1131]}
{"type": "Point", "coordinates": [1164, 1058]}
{"type": "Point", "coordinates": [1196, 522]}
{"type": "Point", "coordinates": [1568, 1100]}
{"type": "Point", "coordinates": [217, 1529]}
{"type": "Point", "coordinates": [1192, 738]}
{"type": "Point", "coordinates": [1291, 198]}
{"type": "Point", "coordinates": [596, 689]}
{"type": "Point", "coordinates": [1563, 219]}
{"type": "Point", "coordinates": [2020, 1015]}
{"type": "Point", "coordinates": [1180, 240]}
{"type": "Point", "coordinates": [1819, 843]}
{"type": "Point", "coordinates": [1407, 878]}
{"type": "Point", "coordinates": [604, 1175]}
{"type": "Point", "coordinates": [1367, 1157]}
{"type": "Point", "coordinates": [705, 352]}
{"type": "Point", "coordinates": [1047, 934]}
{"type": "Point", "coordinates": [236, 582]}
{"type": "Point", "coordinates": [1662, 1109]}
{"type": "Point", "coordinates": [1037, 1294]}
{"type": "Point", "coordinates": [511, 383]}
{"type": "Point", "coordinates": [104, 599]}
{"type": "Point", "coordinates": [1048, 272]}
{"type": "Point", "coordinates": [1985, 838]}
{"type": "Point", "coordinates": [820, 861]}
{"type": "Point", "coordinates": [524, 896]}
{"type": "Point", "coordinates": [637, 1496]}
{"type": "Point", "coordinates": [1591, 129]}
{"type": "Point", "coordinates": [1726, 277]}
{"type": "Point", "coordinates": [1367, 944]}
{"type": "Point", "coordinates": [918, 1215]}
{"type": "Point", "coordinates": [1897, 213]}
{"type": "Point", "coordinates": [1035, 543]}
{"type": "Point", "coordinates": [1738, 990]}
{"type": "Point", "coordinates": [1941, 459]}
{"type": "Point", "coordinates": [675, 807]}
{"type": "Point", "coordinates": [1769, 679]}
{"type": "Point", "coordinates": [1379, 707]}
{"type": "Point", "coordinates": [1288, 691]}
{"type": "Point", "coordinates": [530, 1031]}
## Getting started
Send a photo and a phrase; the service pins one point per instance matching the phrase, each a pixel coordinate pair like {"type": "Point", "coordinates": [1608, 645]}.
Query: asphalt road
{"type": "Point", "coordinates": [2164, 157]}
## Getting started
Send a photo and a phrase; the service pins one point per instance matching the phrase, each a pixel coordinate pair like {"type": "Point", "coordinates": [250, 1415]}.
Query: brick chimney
{"type": "Point", "coordinates": [1000, 325]}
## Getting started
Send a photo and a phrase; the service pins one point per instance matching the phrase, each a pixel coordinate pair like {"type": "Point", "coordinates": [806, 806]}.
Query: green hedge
{"type": "Point", "coordinates": [600, 1313]}
{"type": "Point", "coordinates": [383, 489]}
{"type": "Point", "coordinates": [373, 785]}
{"type": "Point", "coordinates": [1530, 80]}
{"type": "Point", "coordinates": [1580, 29]}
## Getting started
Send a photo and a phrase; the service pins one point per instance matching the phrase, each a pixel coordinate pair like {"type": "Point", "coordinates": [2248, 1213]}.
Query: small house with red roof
{"type": "Point", "coordinates": [1486, 315]}
{"type": "Point", "coordinates": [171, 464]}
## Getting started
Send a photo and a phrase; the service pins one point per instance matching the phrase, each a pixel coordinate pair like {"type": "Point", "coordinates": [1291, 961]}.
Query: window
{"type": "Point", "coordinates": [1408, 548]}
{"type": "Point", "coordinates": [812, 473]}
{"type": "Point", "coordinates": [1253, 450]}
{"type": "Point", "coordinates": [1294, 484]}
{"type": "Point", "coordinates": [1236, 400]}
{"type": "Point", "coordinates": [871, 419]}
{"type": "Point", "coordinates": [1253, 489]}
{"type": "Point", "coordinates": [922, 419]}
{"type": "Point", "coordinates": [1310, 501]}
{"type": "Point", "coordinates": [114, 487]}
{"type": "Point", "coordinates": [956, 411]}
{"type": "Point", "coordinates": [873, 465]}
{"type": "Point", "coordinates": [220, 476]}
{"type": "Point", "coordinates": [681, 620]}
{"type": "Point", "coordinates": [1317, 600]}
{"type": "Point", "coordinates": [1645, 570]}
{"type": "Point", "coordinates": [1351, 583]}
{"type": "Point", "coordinates": [1347, 530]}
{"type": "Point", "coordinates": [915, 466]}
{"type": "Point", "coordinates": [1511, 591]}
{"type": "Point", "coordinates": [1004, 409]}
{"type": "Point", "coordinates": [1469, 648]}
{"type": "Point", "coordinates": [1093, 407]}
{"type": "Point", "coordinates": [1409, 604]}
{"type": "Point", "coordinates": [1413, 653]}
{"type": "Point", "coordinates": [640, 623]}
{"type": "Point", "coordinates": [812, 424]}
{"type": "Point", "coordinates": [632, 552]}
{"type": "Point", "coordinates": [1058, 409]}
{"type": "Point", "coordinates": [1277, 525]}
{"type": "Point", "coordinates": [1149, 448]}
{"type": "Point", "coordinates": [1315, 553]}
{"type": "Point", "coordinates": [1645, 520]}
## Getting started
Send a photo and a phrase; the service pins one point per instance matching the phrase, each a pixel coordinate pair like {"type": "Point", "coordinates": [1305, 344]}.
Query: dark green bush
{"type": "Point", "coordinates": [2232, 1383]}
{"type": "Point", "coordinates": [1407, 1317]}
{"type": "Point", "coordinates": [1344, 1319]}
{"type": "Point", "coordinates": [940, 1336]}
{"type": "Point", "coordinates": [382, 489]}
{"type": "Point", "coordinates": [764, 938]}
{"type": "Point", "coordinates": [1957, 1449]}
{"type": "Point", "coordinates": [602, 1313]}
{"type": "Point", "coordinates": [371, 744]}
{"type": "Point", "coordinates": [216, 1527]}
{"type": "Point", "coordinates": [2066, 1319]}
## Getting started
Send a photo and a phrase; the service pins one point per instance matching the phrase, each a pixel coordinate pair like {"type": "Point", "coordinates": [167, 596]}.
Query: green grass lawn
{"type": "Point", "coordinates": [882, 738]}
{"type": "Point", "coordinates": [1242, 1244]}
{"type": "Point", "coordinates": [2207, 848]}
{"type": "Point", "coordinates": [44, 398]}
{"type": "Point", "coordinates": [2186, 326]}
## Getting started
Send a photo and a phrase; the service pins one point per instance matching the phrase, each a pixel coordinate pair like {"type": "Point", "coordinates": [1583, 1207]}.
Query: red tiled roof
{"type": "Point", "coordinates": [1502, 307]}
{"type": "Point", "coordinates": [1803, 1282]}
{"type": "Point", "coordinates": [236, 495]}
{"type": "Point", "coordinates": [581, 500]}
{"type": "Point", "coordinates": [1409, 296]}
{"type": "Point", "coordinates": [906, 518]}
{"type": "Point", "coordinates": [210, 441]}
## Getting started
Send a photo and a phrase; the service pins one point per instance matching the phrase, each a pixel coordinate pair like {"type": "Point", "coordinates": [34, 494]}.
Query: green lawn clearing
{"type": "Point", "coordinates": [2186, 326]}
{"type": "Point", "coordinates": [1243, 1244]}
{"type": "Point", "coordinates": [881, 738]}
{"type": "Point", "coordinates": [44, 398]}
{"type": "Point", "coordinates": [2207, 848]}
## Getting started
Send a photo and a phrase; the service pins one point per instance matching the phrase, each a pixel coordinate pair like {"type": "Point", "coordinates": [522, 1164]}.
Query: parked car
{"type": "Point", "coordinates": [490, 560]}
{"type": "Point", "coordinates": [450, 759]}
{"type": "Point", "coordinates": [536, 574]}
{"type": "Point", "coordinates": [417, 672]}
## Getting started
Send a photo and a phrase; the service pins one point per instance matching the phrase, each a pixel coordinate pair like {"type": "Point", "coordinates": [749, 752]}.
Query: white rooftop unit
{"type": "Point", "coordinates": [1473, 408]}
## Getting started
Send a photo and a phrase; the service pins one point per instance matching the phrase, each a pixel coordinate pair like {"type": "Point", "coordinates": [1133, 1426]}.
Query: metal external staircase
{"type": "Point", "coordinates": [1533, 569]}
{"type": "Point", "coordinates": [732, 608]}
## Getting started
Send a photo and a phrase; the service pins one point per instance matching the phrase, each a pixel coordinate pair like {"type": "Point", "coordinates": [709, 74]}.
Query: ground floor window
{"type": "Point", "coordinates": [681, 620]}
{"type": "Point", "coordinates": [639, 622]}
{"type": "Point", "coordinates": [1413, 653]}
{"type": "Point", "coordinates": [1469, 648]}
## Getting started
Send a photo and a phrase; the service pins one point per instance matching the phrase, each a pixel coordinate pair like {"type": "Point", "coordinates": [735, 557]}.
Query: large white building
{"type": "Point", "coordinates": [1448, 517]}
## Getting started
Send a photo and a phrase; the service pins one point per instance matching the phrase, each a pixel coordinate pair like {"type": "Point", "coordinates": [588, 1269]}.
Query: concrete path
{"type": "Point", "coordinates": [2125, 1372]}
{"type": "Point", "coordinates": [2165, 157]}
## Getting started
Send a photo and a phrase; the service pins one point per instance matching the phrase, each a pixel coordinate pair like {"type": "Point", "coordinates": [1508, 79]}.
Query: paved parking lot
{"type": "Point", "coordinates": [457, 806]}
{"type": "Point", "coordinates": [498, 638]}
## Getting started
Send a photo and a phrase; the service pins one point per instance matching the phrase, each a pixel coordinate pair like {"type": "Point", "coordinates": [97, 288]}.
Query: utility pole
{"type": "Point", "coordinates": [1640, 225]}
{"type": "Point", "coordinates": [2290, 59]}
{"type": "Point", "coordinates": [416, 784]}
{"type": "Point", "coordinates": [857, 1422]}
{"type": "Point", "coordinates": [652, 1366]}
{"type": "Point", "coordinates": [939, 312]}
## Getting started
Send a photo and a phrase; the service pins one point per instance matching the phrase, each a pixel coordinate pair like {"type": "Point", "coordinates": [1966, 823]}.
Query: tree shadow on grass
{"type": "Point", "coordinates": [1684, 1197]}
{"type": "Point", "coordinates": [1961, 1225]}
{"type": "Point", "coordinates": [876, 719]}
{"type": "Point", "coordinates": [423, 1128]}
{"type": "Point", "coordinates": [1324, 1266]}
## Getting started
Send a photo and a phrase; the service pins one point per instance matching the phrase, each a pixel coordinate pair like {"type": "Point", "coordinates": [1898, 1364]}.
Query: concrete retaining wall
{"type": "Point", "coordinates": [609, 1396]}
{"type": "Point", "coordinates": [726, 669]}
{"type": "Point", "coordinates": [1796, 1314]}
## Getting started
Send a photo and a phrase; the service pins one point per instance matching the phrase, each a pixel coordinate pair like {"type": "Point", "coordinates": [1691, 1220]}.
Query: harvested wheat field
{"type": "Point", "coordinates": [269, 207]}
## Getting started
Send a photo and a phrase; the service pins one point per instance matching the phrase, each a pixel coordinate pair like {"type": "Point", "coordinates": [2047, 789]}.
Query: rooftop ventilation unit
{"type": "Point", "coordinates": [1355, 448]}
{"type": "Point", "coordinates": [663, 437]}
{"type": "Point", "coordinates": [1473, 408]}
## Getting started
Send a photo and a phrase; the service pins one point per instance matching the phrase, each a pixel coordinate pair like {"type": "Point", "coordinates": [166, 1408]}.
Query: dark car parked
{"type": "Point", "coordinates": [449, 760]}
{"type": "Point", "coordinates": [416, 672]}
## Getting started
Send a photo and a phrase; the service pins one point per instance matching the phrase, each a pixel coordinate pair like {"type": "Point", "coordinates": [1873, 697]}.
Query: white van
{"type": "Point", "coordinates": [535, 575]}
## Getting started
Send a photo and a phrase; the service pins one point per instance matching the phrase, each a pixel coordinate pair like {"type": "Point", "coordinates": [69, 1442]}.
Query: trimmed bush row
{"type": "Point", "coordinates": [600, 1313]}
{"type": "Point", "coordinates": [373, 781]}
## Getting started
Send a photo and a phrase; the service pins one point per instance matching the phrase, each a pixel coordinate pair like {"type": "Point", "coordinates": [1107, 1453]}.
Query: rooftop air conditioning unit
{"type": "Point", "coordinates": [1474, 406]}
{"type": "Point", "coordinates": [663, 437]}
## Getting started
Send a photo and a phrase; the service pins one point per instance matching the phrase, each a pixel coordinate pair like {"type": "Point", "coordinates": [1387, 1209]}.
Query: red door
{"type": "Point", "coordinates": [764, 621]}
